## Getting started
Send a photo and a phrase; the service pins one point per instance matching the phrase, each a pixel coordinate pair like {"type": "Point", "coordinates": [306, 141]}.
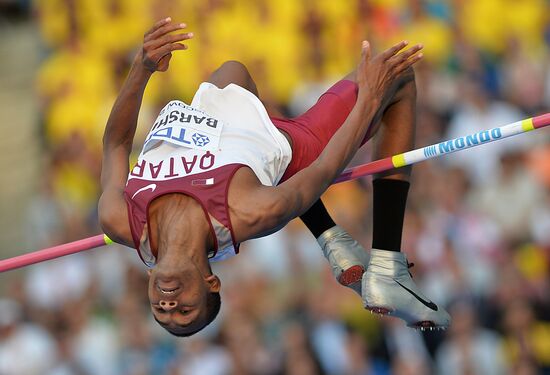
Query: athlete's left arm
{"type": "Point", "coordinates": [275, 206]}
{"type": "Point", "coordinates": [158, 44]}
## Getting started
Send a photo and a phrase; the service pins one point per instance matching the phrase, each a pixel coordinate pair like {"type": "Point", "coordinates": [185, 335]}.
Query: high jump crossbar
{"type": "Point", "coordinates": [392, 162]}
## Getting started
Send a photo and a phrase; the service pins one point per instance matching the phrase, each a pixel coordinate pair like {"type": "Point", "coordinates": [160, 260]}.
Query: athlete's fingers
{"type": "Point", "coordinates": [167, 39]}
{"type": "Point", "coordinates": [165, 50]}
{"type": "Point", "coordinates": [365, 56]}
{"type": "Point", "coordinates": [178, 46]}
{"type": "Point", "coordinates": [405, 64]}
{"type": "Point", "coordinates": [166, 29]}
{"type": "Point", "coordinates": [406, 54]}
{"type": "Point", "coordinates": [365, 50]}
{"type": "Point", "coordinates": [393, 50]}
{"type": "Point", "coordinates": [157, 25]}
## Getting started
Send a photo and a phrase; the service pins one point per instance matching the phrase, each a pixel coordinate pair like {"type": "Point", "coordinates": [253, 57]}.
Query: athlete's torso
{"type": "Point", "coordinates": [196, 150]}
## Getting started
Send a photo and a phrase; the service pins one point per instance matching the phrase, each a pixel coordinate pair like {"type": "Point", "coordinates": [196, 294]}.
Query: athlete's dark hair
{"type": "Point", "coordinates": [213, 304]}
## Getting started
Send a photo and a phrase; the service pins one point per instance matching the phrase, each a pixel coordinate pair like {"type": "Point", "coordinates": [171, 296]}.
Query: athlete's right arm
{"type": "Point", "coordinates": [155, 55]}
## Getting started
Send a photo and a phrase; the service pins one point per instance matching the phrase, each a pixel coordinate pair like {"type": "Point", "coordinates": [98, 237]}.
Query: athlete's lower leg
{"type": "Point", "coordinates": [387, 285]}
{"type": "Point", "coordinates": [390, 189]}
{"type": "Point", "coordinates": [317, 219]}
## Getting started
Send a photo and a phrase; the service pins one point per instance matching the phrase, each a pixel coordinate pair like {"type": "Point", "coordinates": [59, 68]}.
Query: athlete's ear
{"type": "Point", "coordinates": [214, 283]}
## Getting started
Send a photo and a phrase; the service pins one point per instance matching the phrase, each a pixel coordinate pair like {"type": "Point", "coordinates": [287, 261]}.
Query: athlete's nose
{"type": "Point", "coordinates": [167, 305]}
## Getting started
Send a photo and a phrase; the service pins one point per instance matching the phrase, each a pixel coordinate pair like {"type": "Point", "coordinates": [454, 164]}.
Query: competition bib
{"type": "Point", "coordinates": [184, 126]}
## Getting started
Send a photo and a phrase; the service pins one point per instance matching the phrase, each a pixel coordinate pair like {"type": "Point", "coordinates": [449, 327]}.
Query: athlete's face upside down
{"type": "Point", "coordinates": [183, 299]}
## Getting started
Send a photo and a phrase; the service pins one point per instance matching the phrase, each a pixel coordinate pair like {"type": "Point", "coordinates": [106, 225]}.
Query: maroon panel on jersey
{"type": "Point", "coordinates": [311, 131]}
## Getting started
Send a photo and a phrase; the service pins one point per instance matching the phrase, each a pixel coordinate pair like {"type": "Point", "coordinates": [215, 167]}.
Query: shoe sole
{"type": "Point", "coordinates": [352, 276]}
{"type": "Point", "coordinates": [426, 324]}
{"type": "Point", "coordinates": [421, 325]}
{"type": "Point", "coordinates": [379, 310]}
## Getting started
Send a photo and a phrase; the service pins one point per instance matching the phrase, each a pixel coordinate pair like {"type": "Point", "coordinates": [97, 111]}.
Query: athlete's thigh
{"type": "Point", "coordinates": [311, 131]}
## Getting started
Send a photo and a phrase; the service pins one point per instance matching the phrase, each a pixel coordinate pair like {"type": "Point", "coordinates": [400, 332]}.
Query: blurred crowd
{"type": "Point", "coordinates": [477, 224]}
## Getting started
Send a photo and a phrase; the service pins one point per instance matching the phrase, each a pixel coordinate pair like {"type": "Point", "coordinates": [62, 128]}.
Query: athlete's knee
{"type": "Point", "coordinates": [408, 81]}
{"type": "Point", "coordinates": [233, 71]}
{"type": "Point", "coordinates": [405, 87]}
{"type": "Point", "coordinates": [235, 67]}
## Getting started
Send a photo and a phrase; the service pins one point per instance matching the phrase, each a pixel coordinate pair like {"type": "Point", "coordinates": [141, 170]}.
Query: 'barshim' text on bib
{"type": "Point", "coordinates": [184, 126]}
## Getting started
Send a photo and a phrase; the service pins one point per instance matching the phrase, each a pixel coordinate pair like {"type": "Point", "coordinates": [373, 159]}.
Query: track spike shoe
{"type": "Point", "coordinates": [347, 258]}
{"type": "Point", "coordinates": [388, 289]}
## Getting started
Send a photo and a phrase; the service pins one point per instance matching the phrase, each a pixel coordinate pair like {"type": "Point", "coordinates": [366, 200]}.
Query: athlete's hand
{"type": "Point", "coordinates": [158, 44]}
{"type": "Point", "coordinates": [375, 75]}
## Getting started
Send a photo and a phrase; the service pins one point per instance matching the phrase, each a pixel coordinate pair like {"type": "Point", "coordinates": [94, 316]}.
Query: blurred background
{"type": "Point", "coordinates": [477, 224]}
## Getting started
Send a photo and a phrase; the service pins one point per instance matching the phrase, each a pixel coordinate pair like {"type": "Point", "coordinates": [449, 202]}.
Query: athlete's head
{"type": "Point", "coordinates": [184, 299]}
